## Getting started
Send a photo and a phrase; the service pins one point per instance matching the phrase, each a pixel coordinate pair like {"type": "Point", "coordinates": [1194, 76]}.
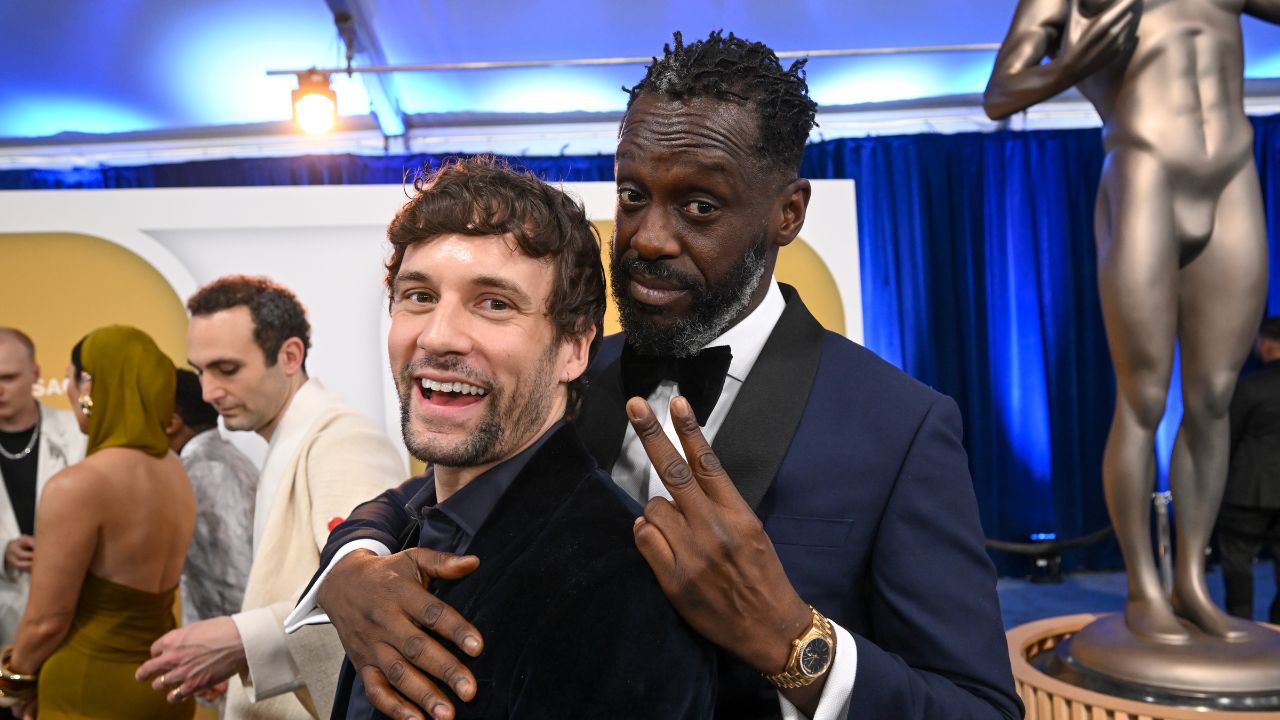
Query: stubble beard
{"type": "Point", "coordinates": [243, 422]}
{"type": "Point", "coordinates": [525, 411]}
{"type": "Point", "coordinates": [710, 309]}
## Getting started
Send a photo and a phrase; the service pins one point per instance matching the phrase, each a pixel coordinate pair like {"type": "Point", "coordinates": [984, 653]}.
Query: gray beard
{"type": "Point", "coordinates": [506, 421]}
{"type": "Point", "coordinates": [710, 310]}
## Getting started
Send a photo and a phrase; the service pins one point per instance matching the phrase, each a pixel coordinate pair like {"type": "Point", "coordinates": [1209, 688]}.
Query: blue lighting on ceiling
{"type": "Point", "coordinates": [558, 93]}
{"type": "Point", "coordinates": [32, 115]}
{"type": "Point", "coordinates": [138, 65]}
{"type": "Point", "coordinates": [390, 121]}
{"type": "Point", "coordinates": [216, 63]}
{"type": "Point", "coordinates": [122, 67]}
{"type": "Point", "coordinates": [1263, 66]}
{"type": "Point", "coordinates": [532, 90]}
{"type": "Point", "coordinates": [352, 97]}
{"type": "Point", "coordinates": [832, 82]}
{"type": "Point", "coordinates": [853, 81]}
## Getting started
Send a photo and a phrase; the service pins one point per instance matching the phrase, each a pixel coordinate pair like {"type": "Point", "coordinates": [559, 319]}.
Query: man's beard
{"type": "Point", "coordinates": [711, 309]}
{"type": "Point", "coordinates": [507, 422]}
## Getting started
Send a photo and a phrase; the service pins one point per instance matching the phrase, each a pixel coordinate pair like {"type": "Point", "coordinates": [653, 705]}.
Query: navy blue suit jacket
{"type": "Point", "coordinates": [858, 474]}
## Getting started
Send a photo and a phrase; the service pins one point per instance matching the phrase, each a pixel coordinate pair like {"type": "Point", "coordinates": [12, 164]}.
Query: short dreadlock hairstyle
{"type": "Point", "coordinates": [730, 68]}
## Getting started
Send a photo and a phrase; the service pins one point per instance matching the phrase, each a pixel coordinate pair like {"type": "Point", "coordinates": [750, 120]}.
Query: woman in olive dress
{"type": "Point", "coordinates": [111, 536]}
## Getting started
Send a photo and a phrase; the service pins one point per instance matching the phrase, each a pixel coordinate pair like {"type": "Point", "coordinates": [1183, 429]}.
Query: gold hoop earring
{"type": "Point", "coordinates": [86, 404]}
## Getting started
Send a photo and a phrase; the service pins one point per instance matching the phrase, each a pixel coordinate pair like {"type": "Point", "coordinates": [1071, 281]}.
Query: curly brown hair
{"type": "Point", "coordinates": [276, 312]}
{"type": "Point", "coordinates": [482, 196]}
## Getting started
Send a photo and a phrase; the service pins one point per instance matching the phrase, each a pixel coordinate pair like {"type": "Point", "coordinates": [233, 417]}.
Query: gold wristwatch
{"type": "Point", "coordinates": [811, 654]}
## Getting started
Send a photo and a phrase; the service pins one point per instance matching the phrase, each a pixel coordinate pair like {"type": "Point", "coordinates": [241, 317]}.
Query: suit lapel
{"type": "Point", "coordinates": [603, 421]}
{"type": "Point", "coordinates": [757, 432]}
{"type": "Point", "coordinates": [758, 429]}
{"type": "Point", "coordinates": [541, 487]}
{"type": "Point", "coordinates": [546, 480]}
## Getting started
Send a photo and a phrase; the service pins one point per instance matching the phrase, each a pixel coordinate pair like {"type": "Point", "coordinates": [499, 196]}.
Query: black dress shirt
{"type": "Point", "coordinates": [451, 525]}
{"type": "Point", "coordinates": [20, 477]}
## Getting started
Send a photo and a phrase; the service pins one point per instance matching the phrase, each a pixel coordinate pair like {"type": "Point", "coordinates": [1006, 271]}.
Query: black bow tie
{"type": "Point", "coordinates": [700, 376]}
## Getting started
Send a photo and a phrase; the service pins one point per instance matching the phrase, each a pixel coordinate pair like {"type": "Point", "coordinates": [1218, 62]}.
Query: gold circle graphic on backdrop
{"type": "Point", "coordinates": [798, 266]}
{"type": "Point", "coordinates": [63, 285]}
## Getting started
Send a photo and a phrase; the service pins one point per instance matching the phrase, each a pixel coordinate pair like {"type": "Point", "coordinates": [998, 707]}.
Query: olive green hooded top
{"type": "Point", "coordinates": [133, 390]}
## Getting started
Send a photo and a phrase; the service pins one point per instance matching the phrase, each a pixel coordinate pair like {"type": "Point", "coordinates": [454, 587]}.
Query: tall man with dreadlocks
{"type": "Point", "coordinates": [824, 532]}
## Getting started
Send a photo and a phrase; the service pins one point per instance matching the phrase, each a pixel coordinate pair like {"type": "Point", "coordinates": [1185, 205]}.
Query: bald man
{"type": "Point", "coordinates": [36, 441]}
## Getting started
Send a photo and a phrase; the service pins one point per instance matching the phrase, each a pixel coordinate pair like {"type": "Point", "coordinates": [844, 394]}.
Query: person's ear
{"type": "Point", "coordinates": [291, 355]}
{"type": "Point", "coordinates": [579, 355]}
{"type": "Point", "coordinates": [174, 426]}
{"type": "Point", "coordinates": [793, 203]}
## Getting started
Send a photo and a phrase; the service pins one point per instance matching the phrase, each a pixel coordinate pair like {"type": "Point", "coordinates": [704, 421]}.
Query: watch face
{"type": "Point", "coordinates": [815, 656]}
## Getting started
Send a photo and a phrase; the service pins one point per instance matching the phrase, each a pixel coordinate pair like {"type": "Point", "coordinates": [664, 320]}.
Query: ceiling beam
{"type": "Point", "coordinates": [384, 97]}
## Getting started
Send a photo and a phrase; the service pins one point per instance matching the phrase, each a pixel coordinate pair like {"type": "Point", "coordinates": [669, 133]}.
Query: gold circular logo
{"type": "Point", "coordinates": [63, 285]}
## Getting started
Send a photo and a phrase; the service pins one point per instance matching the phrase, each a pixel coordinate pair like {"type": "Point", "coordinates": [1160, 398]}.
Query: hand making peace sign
{"type": "Point", "coordinates": [710, 553]}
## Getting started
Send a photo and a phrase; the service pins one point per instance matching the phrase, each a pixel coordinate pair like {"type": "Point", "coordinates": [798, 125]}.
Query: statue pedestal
{"type": "Point", "coordinates": [1053, 687]}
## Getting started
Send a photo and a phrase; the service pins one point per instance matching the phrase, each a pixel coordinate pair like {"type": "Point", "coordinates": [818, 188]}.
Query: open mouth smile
{"type": "Point", "coordinates": [450, 394]}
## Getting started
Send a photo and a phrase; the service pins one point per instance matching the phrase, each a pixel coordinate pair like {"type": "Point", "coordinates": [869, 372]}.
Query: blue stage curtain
{"type": "Point", "coordinates": [1266, 149]}
{"type": "Point", "coordinates": [978, 278]}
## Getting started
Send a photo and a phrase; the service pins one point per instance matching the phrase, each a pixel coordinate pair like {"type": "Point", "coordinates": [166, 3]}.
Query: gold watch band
{"type": "Point", "coordinates": [820, 641]}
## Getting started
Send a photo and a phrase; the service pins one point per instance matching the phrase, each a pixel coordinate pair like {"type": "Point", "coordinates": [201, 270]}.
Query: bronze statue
{"type": "Point", "coordinates": [1182, 254]}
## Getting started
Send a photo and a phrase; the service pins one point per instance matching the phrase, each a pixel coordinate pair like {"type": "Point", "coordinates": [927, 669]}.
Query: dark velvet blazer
{"type": "Point", "coordinates": [860, 479]}
{"type": "Point", "coordinates": [574, 622]}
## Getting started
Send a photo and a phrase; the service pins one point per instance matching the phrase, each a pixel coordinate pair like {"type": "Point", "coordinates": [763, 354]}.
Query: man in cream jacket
{"type": "Point", "coordinates": [36, 441]}
{"type": "Point", "coordinates": [248, 339]}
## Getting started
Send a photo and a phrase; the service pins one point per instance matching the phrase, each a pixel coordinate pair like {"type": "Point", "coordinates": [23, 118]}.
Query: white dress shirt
{"type": "Point", "coordinates": [632, 471]}
{"type": "Point", "coordinates": [294, 427]}
{"type": "Point", "coordinates": [635, 474]}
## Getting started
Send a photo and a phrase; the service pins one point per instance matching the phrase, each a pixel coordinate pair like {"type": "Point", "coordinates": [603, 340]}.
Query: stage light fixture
{"type": "Point", "coordinates": [315, 105]}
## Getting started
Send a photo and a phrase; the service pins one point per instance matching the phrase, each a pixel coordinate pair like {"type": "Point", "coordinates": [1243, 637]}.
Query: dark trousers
{"type": "Point", "coordinates": [1242, 532]}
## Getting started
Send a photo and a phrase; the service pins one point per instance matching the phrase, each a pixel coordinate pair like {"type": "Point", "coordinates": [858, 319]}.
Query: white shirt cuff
{"type": "Point", "coordinates": [834, 704]}
{"type": "Point", "coordinates": [307, 612]}
{"type": "Point", "coordinates": [271, 669]}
